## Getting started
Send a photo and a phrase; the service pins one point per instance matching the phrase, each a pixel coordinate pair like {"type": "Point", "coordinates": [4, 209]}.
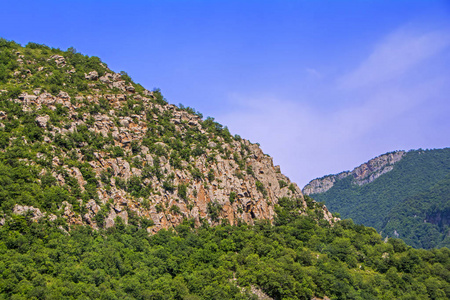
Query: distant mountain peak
{"type": "Point", "coordinates": [401, 194]}
{"type": "Point", "coordinates": [363, 174]}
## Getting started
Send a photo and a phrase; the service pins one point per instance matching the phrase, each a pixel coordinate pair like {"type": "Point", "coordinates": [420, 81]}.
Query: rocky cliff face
{"type": "Point", "coordinates": [365, 173]}
{"type": "Point", "coordinates": [122, 151]}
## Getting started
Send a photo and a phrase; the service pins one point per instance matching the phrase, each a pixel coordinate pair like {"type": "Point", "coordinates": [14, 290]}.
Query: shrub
{"type": "Point", "coordinates": [292, 188]}
{"type": "Point", "coordinates": [159, 208]}
{"type": "Point", "coordinates": [250, 171]}
{"type": "Point", "coordinates": [196, 174]}
{"type": "Point", "coordinates": [232, 197]}
{"type": "Point", "coordinates": [168, 186]}
{"type": "Point", "coordinates": [175, 209]}
{"type": "Point", "coordinates": [260, 187]}
{"type": "Point", "coordinates": [117, 151]}
{"type": "Point", "coordinates": [145, 223]}
{"type": "Point", "coordinates": [211, 176]}
{"type": "Point", "coordinates": [182, 191]}
{"type": "Point", "coordinates": [214, 209]}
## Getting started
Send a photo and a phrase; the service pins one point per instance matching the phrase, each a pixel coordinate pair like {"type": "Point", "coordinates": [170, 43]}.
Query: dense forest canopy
{"type": "Point", "coordinates": [410, 202]}
{"type": "Point", "coordinates": [296, 258]}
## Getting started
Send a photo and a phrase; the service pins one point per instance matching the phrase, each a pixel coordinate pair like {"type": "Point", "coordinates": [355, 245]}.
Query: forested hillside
{"type": "Point", "coordinates": [89, 145]}
{"type": "Point", "coordinates": [109, 192]}
{"type": "Point", "coordinates": [410, 201]}
{"type": "Point", "coordinates": [296, 258]}
{"type": "Point", "coordinates": [423, 220]}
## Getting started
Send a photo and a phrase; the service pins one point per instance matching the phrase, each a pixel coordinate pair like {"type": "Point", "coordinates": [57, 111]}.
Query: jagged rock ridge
{"type": "Point", "coordinates": [364, 174]}
{"type": "Point", "coordinates": [120, 150]}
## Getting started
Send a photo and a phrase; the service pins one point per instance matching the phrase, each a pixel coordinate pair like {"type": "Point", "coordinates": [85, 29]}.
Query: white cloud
{"type": "Point", "coordinates": [396, 55]}
{"type": "Point", "coordinates": [313, 73]}
{"type": "Point", "coordinates": [309, 140]}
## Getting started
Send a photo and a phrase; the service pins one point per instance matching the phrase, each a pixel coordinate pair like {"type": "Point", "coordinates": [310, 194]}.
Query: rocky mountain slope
{"type": "Point", "coordinates": [365, 173]}
{"type": "Point", "coordinates": [88, 145]}
{"type": "Point", "coordinates": [401, 194]}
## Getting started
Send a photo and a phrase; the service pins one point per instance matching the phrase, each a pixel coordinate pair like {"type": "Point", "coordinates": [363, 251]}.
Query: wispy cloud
{"type": "Point", "coordinates": [313, 73]}
{"type": "Point", "coordinates": [396, 55]}
{"type": "Point", "coordinates": [309, 141]}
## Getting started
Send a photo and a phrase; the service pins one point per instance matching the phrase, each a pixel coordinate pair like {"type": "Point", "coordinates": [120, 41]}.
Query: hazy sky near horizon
{"type": "Point", "coordinates": [323, 86]}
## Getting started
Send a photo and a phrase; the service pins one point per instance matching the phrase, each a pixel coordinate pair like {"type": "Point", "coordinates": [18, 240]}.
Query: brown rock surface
{"type": "Point", "coordinates": [227, 180]}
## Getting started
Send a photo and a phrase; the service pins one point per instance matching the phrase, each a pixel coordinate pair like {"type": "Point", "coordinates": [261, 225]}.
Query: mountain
{"type": "Point", "coordinates": [92, 146]}
{"type": "Point", "coordinates": [109, 192]}
{"type": "Point", "coordinates": [401, 194]}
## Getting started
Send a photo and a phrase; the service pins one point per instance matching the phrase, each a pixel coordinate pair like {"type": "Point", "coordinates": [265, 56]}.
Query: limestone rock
{"type": "Point", "coordinates": [229, 180]}
{"type": "Point", "coordinates": [92, 75]}
{"type": "Point", "coordinates": [70, 215]}
{"type": "Point", "coordinates": [35, 213]}
{"type": "Point", "coordinates": [119, 84]}
{"type": "Point", "coordinates": [64, 95]}
{"type": "Point", "coordinates": [107, 78]}
{"type": "Point", "coordinates": [60, 60]}
{"type": "Point", "coordinates": [41, 121]}
{"type": "Point", "coordinates": [130, 89]}
{"type": "Point", "coordinates": [365, 173]}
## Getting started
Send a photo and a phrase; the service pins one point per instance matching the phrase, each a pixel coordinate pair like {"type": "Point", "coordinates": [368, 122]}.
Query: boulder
{"type": "Point", "coordinates": [91, 76]}
{"type": "Point", "coordinates": [130, 89]}
{"type": "Point", "coordinates": [119, 84]}
{"type": "Point", "coordinates": [64, 95]}
{"type": "Point", "coordinates": [41, 121]}
{"type": "Point", "coordinates": [35, 213]}
{"type": "Point", "coordinates": [60, 60]}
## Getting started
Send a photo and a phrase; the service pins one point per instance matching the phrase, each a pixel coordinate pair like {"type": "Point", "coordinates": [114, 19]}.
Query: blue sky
{"type": "Point", "coordinates": [322, 85]}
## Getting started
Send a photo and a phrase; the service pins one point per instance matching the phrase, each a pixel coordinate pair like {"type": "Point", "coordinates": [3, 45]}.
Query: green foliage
{"type": "Point", "coordinates": [136, 187]}
{"type": "Point", "coordinates": [422, 220]}
{"type": "Point", "coordinates": [101, 215]}
{"type": "Point", "coordinates": [175, 209]}
{"type": "Point", "coordinates": [260, 187]}
{"type": "Point", "coordinates": [298, 257]}
{"type": "Point", "coordinates": [106, 175]}
{"type": "Point", "coordinates": [217, 129]}
{"type": "Point", "coordinates": [292, 188]}
{"type": "Point", "coordinates": [196, 174]}
{"type": "Point", "coordinates": [250, 171]}
{"type": "Point", "coordinates": [168, 183]}
{"type": "Point", "coordinates": [407, 200]}
{"type": "Point", "coordinates": [282, 183]}
{"type": "Point", "coordinates": [240, 162]}
{"type": "Point", "coordinates": [159, 208]}
{"type": "Point", "coordinates": [117, 152]}
{"type": "Point", "coordinates": [182, 191]}
{"type": "Point", "coordinates": [214, 209]}
{"type": "Point", "coordinates": [159, 97]}
{"type": "Point", "coordinates": [297, 260]}
{"type": "Point", "coordinates": [232, 197]}
{"type": "Point", "coordinates": [211, 176]}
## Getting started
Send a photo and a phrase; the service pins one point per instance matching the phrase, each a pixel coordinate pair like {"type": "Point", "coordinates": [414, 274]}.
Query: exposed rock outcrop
{"type": "Point", "coordinates": [365, 173]}
{"type": "Point", "coordinates": [35, 213]}
{"type": "Point", "coordinates": [136, 156]}
{"type": "Point", "coordinates": [41, 121]}
{"type": "Point", "coordinates": [92, 75]}
{"type": "Point", "coordinates": [59, 59]}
